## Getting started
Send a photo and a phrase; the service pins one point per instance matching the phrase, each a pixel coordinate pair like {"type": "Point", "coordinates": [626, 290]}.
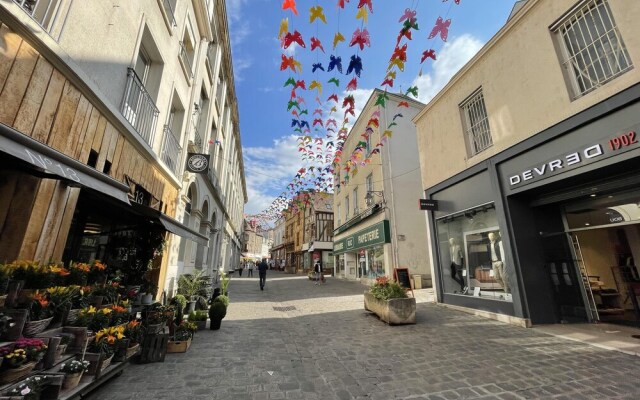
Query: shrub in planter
{"type": "Point", "coordinates": [385, 289]}
{"type": "Point", "coordinates": [217, 311]}
{"type": "Point", "coordinates": [199, 318]}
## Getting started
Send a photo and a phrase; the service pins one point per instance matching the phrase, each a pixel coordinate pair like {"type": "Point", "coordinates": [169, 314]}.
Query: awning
{"type": "Point", "coordinates": [171, 224]}
{"type": "Point", "coordinates": [56, 165]}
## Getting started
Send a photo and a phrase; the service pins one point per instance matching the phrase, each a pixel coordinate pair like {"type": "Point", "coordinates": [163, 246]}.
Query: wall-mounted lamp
{"type": "Point", "coordinates": [369, 196]}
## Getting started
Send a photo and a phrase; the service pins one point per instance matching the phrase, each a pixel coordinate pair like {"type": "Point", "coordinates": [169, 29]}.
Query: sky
{"type": "Point", "coordinates": [270, 149]}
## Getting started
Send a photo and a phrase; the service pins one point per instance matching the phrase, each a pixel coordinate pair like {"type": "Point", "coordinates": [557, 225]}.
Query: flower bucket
{"type": "Point", "coordinates": [13, 374]}
{"type": "Point", "coordinates": [32, 328]}
{"type": "Point", "coordinates": [132, 351]}
{"type": "Point", "coordinates": [71, 380]}
{"type": "Point", "coordinates": [72, 315]}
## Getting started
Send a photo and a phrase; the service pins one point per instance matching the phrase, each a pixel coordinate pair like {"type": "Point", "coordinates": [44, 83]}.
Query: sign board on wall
{"type": "Point", "coordinates": [375, 234]}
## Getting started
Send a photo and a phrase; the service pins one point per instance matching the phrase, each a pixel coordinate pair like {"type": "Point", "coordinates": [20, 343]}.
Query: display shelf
{"type": "Point", "coordinates": [610, 310]}
{"type": "Point", "coordinates": [88, 383]}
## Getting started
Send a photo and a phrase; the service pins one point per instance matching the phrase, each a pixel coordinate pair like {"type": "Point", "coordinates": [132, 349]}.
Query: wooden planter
{"type": "Point", "coordinates": [132, 351]}
{"type": "Point", "coordinates": [178, 346]}
{"type": "Point", "coordinates": [11, 374]}
{"type": "Point", "coordinates": [97, 363]}
{"type": "Point", "coordinates": [394, 311]}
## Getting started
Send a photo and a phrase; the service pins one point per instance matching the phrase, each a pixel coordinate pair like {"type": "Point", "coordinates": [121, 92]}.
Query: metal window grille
{"type": "Point", "coordinates": [477, 123]}
{"type": "Point", "coordinates": [138, 107]}
{"type": "Point", "coordinates": [593, 48]}
{"type": "Point", "coordinates": [171, 150]}
{"type": "Point", "coordinates": [42, 11]}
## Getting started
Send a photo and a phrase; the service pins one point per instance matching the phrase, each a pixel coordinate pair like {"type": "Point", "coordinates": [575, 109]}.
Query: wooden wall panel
{"type": "Point", "coordinates": [63, 231]}
{"type": "Point", "coordinates": [89, 135]}
{"type": "Point", "coordinates": [9, 45]}
{"type": "Point", "coordinates": [52, 222]}
{"type": "Point", "coordinates": [8, 183]}
{"type": "Point", "coordinates": [35, 221]}
{"type": "Point", "coordinates": [75, 138]}
{"type": "Point", "coordinates": [18, 219]}
{"type": "Point", "coordinates": [117, 155]}
{"type": "Point", "coordinates": [49, 107]}
{"type": "Point", "coordinates": [109, 135]}
{"type": "Point", "coordinates": [64, 118]}
{"type": "Point", "coordinates": [30, 107]}
{"type": "Point", "coordinates": [83, 134]}
{"type": "Point", "coordinates": [17, 82]}
{"type": "Point", "coordinates": [99, 134]}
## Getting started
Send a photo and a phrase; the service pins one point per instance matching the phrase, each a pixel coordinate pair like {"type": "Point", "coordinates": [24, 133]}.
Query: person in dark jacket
{"type": "Point", "coordinates": [262, 272]}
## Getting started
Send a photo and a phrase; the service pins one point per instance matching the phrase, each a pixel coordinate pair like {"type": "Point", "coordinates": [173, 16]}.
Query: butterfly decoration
{"type": "Point", "coordinates": [361, 38]}
{"type": "Point", "coordinates": [334, 80]}
{"type": "Point", "coordinates": [391, 74]}
{"type": "Point", "coordinates": [333, 97]}
{"type": "Point", "coordinates": [284, 28]}
{"type": "Point", "coordinates": [295, 113]}
{"type": "Point", "coordinates": [341, 3]}
{"type": "Point", "coordinates": [387, 82]}
{"type": "Point", "coordinates": [382, 98]}
{"type": "Point", "coordinates": [431, 53]}
{"type": "Point", "coordinates": [301, 84]}
{"type": "Point", "coordinates": [408, 14]}
{"type": "Point", "coordinates": [400, 53]}
{"type": "Point", "coordinates": [291, 63]}
{"type": "Point", "coordinates": [397, 63]}
{"type": "Point", "coordinates": [316, 85]}
{"type": "Point", "coordinates": [304, 123]}
{"type": "Point", "coordinates": [442, 28]}
{"type": "Point", "coordinates": [392, 125]}
{"type": "Point", "coordinates": [363, 15]}
{"type": "Point", "coordinates": [318, 121]}
{"type": "Point", "coordinates": [353, 84]}
{"type": "Point", "coordinates": [290, 81]}
{"type": "Point", "coordinates": [316, 44]}
{"type": "Point", "coordinates": [317, 111]}
{"type": "Point", "coordinates": [403, 104]}
{"type": "Point", "coordinates": [316, 66]}
{"type": "Point", "coordinates": [294, 37]}
{"type": "Point", "coordinates": [404, 33]}
{"type": "Point", "coordinates": [317, 12]}
{"type": "Point", "coordinates": [295, 122]}
{"type": "Point", "coordinates": [332, 121]}
{"type": "Point", "coordinates": [305, 111]}
{"type": "Point", "coordinates": [333, 109]}
{"type": "Point", "coordinates": [348, 101]}
{"type": "Point", "coordinates": [411, 24]}
{"type": "Point", "coordinates": [355, 65]}
{"type": "Point", "coordinates": [387, 133]}
{"type": "Point", "coordinates": [337, 38]}
{"type": "Point", "coordinates": [335, 62]}
{"type": "Point", "coordinates": [291, 5]}
{"type": "Point", "coordinates": [373, 122]}
{"type": "Point", "coordinates": [367, 3]}
{"type": "Point", "coordinates": [412, 90]}
{"type": "Point", "coordinates": [398, 115]}
{"type": "Point", "coordinates": [292, 104]}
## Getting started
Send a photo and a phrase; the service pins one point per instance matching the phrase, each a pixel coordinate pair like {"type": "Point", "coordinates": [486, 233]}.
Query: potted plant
{"type": "Point", "coordinates": [93, 318]}
{"type": "Point", "coordinates": [60, 300]}
{"type": "Point", "coordinates": [39, 315]}
{"type": "Point", "coordinates": [103, 347]}
{"type": "Point", "coordinates": [217, 311]}
{"type": "Point", "coordinates": [78, 273]}
{"type": "Point", "coordinates": [198, 317]}
{"type": "Point", "coordinates": [73, 371]}
{"type": "Point", "coordinates": [181, 340]}
{"type": "Point", "coordinates": [34, 349]}
{"type": "Point", "coordinates": [194, 288]}
{"type": "Point", "coordinates": [31, 387]}
{"type": "Point", "coordinates": [14, 364]}
{"type": "Point", "coordinates": [180, 304]}
{"type": "Point", "coordinates": [135, 333]}
{"type": "Point", "coordinates": [389, 301]}
{"type": "Point", "coordinates": [97, 273]}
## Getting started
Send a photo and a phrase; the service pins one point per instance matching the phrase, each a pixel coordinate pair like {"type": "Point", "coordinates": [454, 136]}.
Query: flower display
{"type": "Point", "coordinates": [94, 318]}
{"type": "Point", "coordinates": [34, 349]}
{"type": "Point", "coordinates": [385, 289]}
{"type": "Point", "coordinates": [107, 340]}
{"type": "Point", "coordinates": [31, 387]}
{"type": "Point", "coordinates": [74, 366]}
{"type": "Point", "coordinates": [39, 309]}
{"type": "Point", "coordinates": [134, 331]}
{"type": "Point", "coordinates": [13, 358]}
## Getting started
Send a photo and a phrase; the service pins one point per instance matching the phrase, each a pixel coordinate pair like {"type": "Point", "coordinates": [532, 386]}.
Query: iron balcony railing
{"type": "Point", "coordinates": [197, 139]}
{"type": "Point", "coordinates": [171, 150]}
{"type": "Point", "coordinates": [185, 59]}
{"type": "Point", "coordinates": [169, 10]}
{"type": "Point", "coordinates": [138, 107]}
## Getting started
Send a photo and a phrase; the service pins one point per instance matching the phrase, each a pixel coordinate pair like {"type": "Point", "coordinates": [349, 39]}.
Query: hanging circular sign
{"type": "Point", "coordinates": [197, 162]}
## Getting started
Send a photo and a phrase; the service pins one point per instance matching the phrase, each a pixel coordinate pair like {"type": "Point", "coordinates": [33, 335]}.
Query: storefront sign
{"type": "Point", "coordinates": [197, 163]}
{"type": "Point", "coordinates": [605, 148]}
{"type": "Point", "coordinates": [428, 204]}
{"type": "Point", "coordinates": [375, 234]}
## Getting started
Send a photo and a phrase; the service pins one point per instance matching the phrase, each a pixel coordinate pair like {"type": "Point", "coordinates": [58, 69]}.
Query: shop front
{"type": "Point", "coordinates": [548, 231]}
{"type": "Point", "coordinates": [365, 253]}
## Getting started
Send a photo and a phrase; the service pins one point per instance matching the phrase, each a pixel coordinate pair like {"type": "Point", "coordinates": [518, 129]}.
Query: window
{"type": "Point", "coordinates": [336, 183]}
{"type": "Point", "coordinates": [44, 12]}
{"type": "Point", "coordinates": [355, 201]}
{"type": "Point", "coordinates": [369, 183]}
{"type": "Point", "coordinates": [346, 208]}
{"type": "Point", "coordinates": [338, 214]}
{"type": "Point", "coordinates": [476, 123]}
{"type": "Point", "coordinates": [171, 149]}
{"type": "Point", "coordinates": [187, 53]}
{"type": "Point", "coordinates": [368, 137]}
{"type": "Point", "coordinates": [593, 50]}
{"type": "Point", "coordinates": [168, 7]}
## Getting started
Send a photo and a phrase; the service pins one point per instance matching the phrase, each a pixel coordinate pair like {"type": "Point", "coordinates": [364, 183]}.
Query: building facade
{"type": "Point", "coordinates": [99, 130]}
{"type": "Point", "coordinates": [318, 231]}
{"type": "Point", "coordinates": [376, 208]}
{"type": "Point", "coordinates": [532, 155]}
{"type": "Point", "coordinates": [277, 250]}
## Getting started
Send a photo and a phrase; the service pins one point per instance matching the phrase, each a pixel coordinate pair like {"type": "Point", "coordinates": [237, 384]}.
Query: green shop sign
{"type": "Point", "coordinates": [375, 234]}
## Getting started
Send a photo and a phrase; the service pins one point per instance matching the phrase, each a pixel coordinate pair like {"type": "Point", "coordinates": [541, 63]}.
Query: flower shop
{"type": "Point", "coordinates": [67, 329]}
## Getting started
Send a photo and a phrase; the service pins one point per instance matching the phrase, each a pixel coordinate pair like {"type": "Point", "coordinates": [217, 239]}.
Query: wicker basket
{"type": "Point", "coordinates": [133, 350]}
{"type": "Point", "coordinates": [32, 328]}
{"type": "Point", "coordinates": [72, 315]}
{"type": "Point", "coordinates": [13, 374]}
{"type": "Point", "coordinates": [72, 380]}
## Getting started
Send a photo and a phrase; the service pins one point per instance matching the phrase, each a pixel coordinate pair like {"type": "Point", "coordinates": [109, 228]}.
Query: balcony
{"type": "Point", "coordinates": [170, 150]}
{"type": "Point", "coordinates": [138, 107]}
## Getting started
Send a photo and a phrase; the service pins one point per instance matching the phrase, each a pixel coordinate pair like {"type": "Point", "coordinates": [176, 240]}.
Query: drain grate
{"type": "Point", "coordinates": [287, 308]}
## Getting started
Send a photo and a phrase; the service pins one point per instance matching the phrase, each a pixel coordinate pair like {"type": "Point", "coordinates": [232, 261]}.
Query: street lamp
{"type": "Point", "coordinates": [369, 196]}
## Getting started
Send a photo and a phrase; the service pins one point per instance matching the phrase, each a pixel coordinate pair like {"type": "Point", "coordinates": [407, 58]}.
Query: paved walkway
{"type": "Point", "coordinates": [300, 341]}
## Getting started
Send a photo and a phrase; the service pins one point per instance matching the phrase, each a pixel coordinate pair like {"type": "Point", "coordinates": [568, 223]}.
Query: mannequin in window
{"type": "Point", "coordinates": [497, 260]}
{"type": "Point", "coordinates": [457, 259]}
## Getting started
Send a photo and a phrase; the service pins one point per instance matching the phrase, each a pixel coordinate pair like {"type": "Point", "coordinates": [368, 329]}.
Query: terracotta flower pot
{"type": "Point", "coordinates": [71, 380]}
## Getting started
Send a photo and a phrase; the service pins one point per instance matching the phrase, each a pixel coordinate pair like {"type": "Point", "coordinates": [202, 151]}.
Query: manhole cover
{"type": "Point", "coordinates": [287, 308]}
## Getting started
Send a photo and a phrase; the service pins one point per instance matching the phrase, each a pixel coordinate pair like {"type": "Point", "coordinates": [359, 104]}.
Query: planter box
{"type": "Point", "coordinates": [202, 325]}
{"type": "Point", "coordinates": [394, 311]}
{"type": "Point", "coordinates": [178, 346]}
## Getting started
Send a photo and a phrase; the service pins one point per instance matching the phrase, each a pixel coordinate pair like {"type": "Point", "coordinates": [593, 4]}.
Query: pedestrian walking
{"type": "Point", "coordinates": [318, 269]}
{"type": "Point", "coordinates": [240, 269]}
{"type": "Point", "coordinates": [250, 270]}
{"type": "Point", "coordinates": [262, 272]}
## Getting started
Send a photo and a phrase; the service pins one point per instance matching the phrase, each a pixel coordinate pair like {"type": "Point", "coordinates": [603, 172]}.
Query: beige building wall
{"type": "Point", "coordinates": [521, 75]}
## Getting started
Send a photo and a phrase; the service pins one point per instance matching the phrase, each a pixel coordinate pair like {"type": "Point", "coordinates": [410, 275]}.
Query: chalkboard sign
{"type": "Point", "coordinates": [402, 277]}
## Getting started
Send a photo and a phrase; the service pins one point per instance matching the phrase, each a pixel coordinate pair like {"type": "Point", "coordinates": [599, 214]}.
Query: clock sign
{"type": "Point", "coordinates": [197, 163]}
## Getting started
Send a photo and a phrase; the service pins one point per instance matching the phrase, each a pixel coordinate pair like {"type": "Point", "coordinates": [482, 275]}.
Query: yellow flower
{"type": "Point", "coordinates": [91, 310]}
{"type": "Point", "coordinates": [106, 310]}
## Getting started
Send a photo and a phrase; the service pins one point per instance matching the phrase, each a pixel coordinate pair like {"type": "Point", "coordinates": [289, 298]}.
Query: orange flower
{"type": "Point", "coordinates": [81, 267]}
{"type": "Point", "coordinates": [111, 339]}
{"type": "Point", "coordinates": [99, 266]}
{"type": "Point", "coordinates": [119, 309]}
{"type": "Point", "coordinates": [133, 324]}
{"type": "Point", "coordinates": [40, 298]}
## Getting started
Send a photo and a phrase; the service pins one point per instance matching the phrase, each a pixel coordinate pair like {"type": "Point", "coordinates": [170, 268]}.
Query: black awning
{"type": "Point", "coordinates": [56, 165]}
{"type": "Point", "coordinates": [171, 224]}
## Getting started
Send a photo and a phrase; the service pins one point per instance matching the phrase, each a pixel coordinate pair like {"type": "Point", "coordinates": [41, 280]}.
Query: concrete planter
{"type": "Point", "coordinates": [394, 311]}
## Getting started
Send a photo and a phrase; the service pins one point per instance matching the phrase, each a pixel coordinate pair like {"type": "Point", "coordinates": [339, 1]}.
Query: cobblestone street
{"type": "Point", "coordinates": [296, 340]}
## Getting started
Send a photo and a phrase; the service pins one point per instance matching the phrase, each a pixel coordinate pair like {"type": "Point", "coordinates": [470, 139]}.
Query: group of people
{"type": "Point", "coordinates": [262, 268]}
{"type": "Point", "coordinates": [249, 266]}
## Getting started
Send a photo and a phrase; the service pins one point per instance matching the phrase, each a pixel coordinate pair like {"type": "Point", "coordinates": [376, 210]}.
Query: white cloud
{"type": "Point", "coordinates": [451, 58]}
{"type": "Point", "coordinates": [240, 63]}
{"type": "Point", "coordinates": [269, 170]}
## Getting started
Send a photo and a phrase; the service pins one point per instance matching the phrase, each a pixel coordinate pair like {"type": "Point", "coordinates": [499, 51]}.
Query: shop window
{"type": "Point", "coordinates": [472, 256]}
{"type": "Point", "coordinates": [476, 123]}
{"type": "Point", "coordinates": [592, 50]}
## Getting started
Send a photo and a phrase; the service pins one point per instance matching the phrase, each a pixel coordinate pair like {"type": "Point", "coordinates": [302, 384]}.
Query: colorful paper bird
{"type": "Point", "coordinates": [316, 85]}
{"type": "Point", "coordinates": [353, 84]}
{"type": "Point", "coordinates": [335, 62]}
{"type": "Point", "coordinates": [349, 100]}
{"type": "Point", "coordinates": [317, 12]}
{"type": "Point", "coordinates": [291, 5]}
{"type": "Point", "coordinates": [304, 123]}
{"type": "Point", "coordinates": [317, 111]}
{"type": "Point", "coordinates": [355, 65]}
{"type": "Point", "coordinates": [391, 125]}
{"type": "Point", "coordinates": [317, 66]}
{"type": "Point", "coordinates": [362, 3]}
{"type": "Point", "coordinates": [332, 121]}
{"type": "Point", "coordinates": [291, 63]}
{"type": "Point", "coordinates": [316, 44]}
{"type": "Point", "coordinates": [295, 122]}
{"type": "Point", "coordinates": [305, 111]}
{"type": "Point", "coordinates": [337, 38]}
{"type": "Point", "coordinates": [334, 80]}
{"type": "Point", "coordinates": [442, 28]}
{"type": "Point", "coordinates": [412, 90]}
{"type": "Point", "coordinates": [409, 14]}
{"type": "Point", "coordinates": [431, 53]}
{"type": "Point", "coordinates": [403, 104]}
{"type": "Point", "coordinates": [290, 81]}
{"type": "Point", "coordinates": [406, 33]}
{"type": "Point", "coordinates": [373, 122]}
{"type": "Point", "coordinates": [361, 38]}
{"type": "Point", "coordinates": [292, 104]}
{"type": "Point", "coordinates": [294, 37]}
{"type": "Point", "coordinates": [376, 113]}
{"type": "Point", "coordinates": [333, 97]}
{"type": "Point", "coordinates": [382, 98]}
{"type": "Point", "coordinates": [363, 15]}
{"type": "Point", "coordinates": [387, 133]}
{"type": "Point", "coordinates": [284, 28]}
{"type": "Point", "coordinates": [410, 24]}
{"type": "Point", "coordinates": [295, 112]}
